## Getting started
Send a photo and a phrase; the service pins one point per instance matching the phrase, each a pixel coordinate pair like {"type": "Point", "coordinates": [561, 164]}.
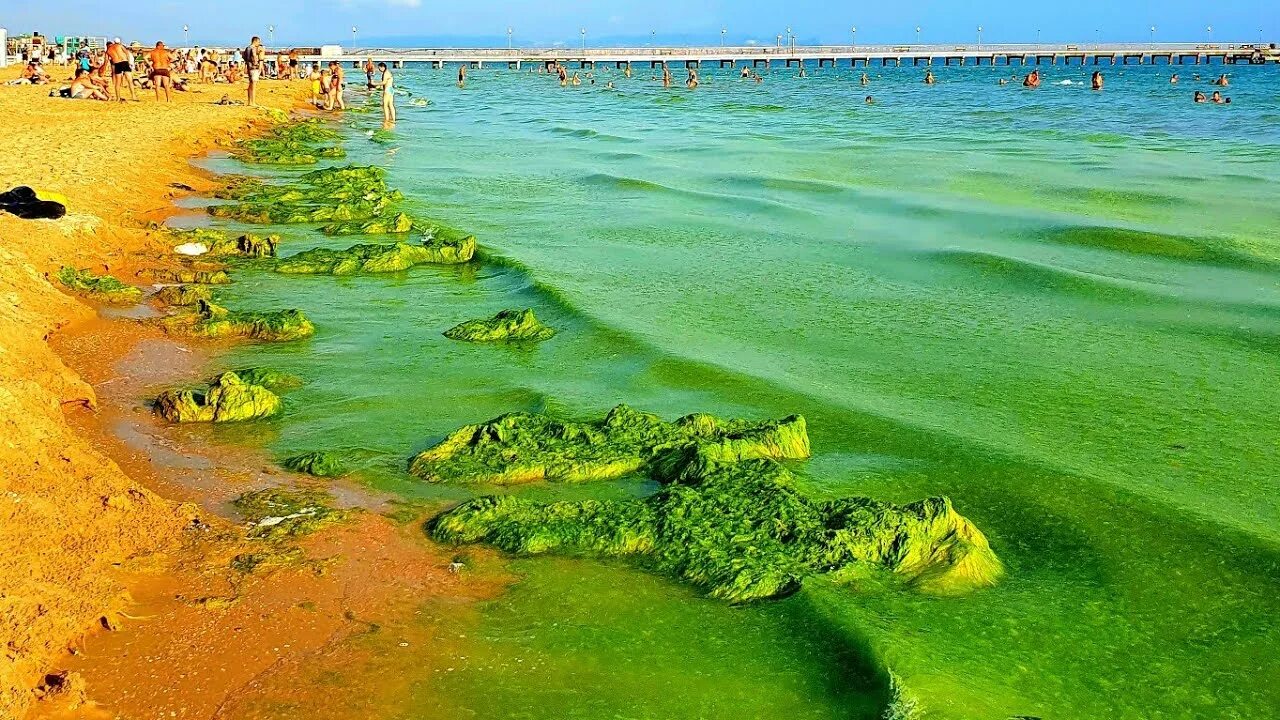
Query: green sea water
{"type": "Point", "coordinates": [1060, 308]}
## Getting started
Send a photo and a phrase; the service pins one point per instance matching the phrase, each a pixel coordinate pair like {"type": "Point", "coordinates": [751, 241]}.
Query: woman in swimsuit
{"type": "Point", "coordinates": [388, 97]}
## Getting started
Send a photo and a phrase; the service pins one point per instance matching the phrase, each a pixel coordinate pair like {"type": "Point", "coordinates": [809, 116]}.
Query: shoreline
{"type": "Point", "coordinates": [112, 516]}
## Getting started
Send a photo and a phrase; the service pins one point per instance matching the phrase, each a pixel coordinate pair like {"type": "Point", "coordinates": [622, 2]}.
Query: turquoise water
{"type": "Point", "coordinates": [1060, 308]}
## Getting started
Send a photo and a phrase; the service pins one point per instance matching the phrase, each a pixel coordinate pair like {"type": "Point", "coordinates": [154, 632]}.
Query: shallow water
{"type": "Point", "coordinates": [1060, 308]}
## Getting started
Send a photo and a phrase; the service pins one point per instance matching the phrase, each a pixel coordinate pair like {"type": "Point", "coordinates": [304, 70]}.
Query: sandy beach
{"type": "Point", "coordinates": [112, 553]}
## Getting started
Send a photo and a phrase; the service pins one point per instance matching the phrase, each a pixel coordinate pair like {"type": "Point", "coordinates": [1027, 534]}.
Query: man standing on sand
{"type": "Point", "coordinates": [253, 64]}
{"type": "Point", "coordinates": [121, 68]}
{"type": "Point", "coordinates": [161, 65]}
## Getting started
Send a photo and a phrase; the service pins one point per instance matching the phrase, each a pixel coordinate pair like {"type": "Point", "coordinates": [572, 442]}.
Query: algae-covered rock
{"type": "Point", "coordinates": [370, 258]}
{"type": "Point", "coordinates": [320, 464]}
{"type": "Point", "coordinates": [214, 321]}
{"type": "Point", "coordinates": [227, 399]}
{"type": "Point", "coordinates": [102, 288]}
{"type": "Point", "coordinates": [190, 276]}
{"type": "Point", "coordinates": [508, 325]}
{"type": "Point", "coordinates": [247, 245]}
{"type": "Point", "coordinates": [282, 514]}
{"type": "Point", "coordinates": [743, 532]}
{"type": "Point", "coordinates": [184, 295]}
{"type": "Point", "coordinates": [269, 378]}
{"type": "Point", "coordinates": [527, 447]}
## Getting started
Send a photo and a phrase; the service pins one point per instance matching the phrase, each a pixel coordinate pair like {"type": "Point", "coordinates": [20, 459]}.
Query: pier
{"type": "Point", "coordinates": [821, 55]}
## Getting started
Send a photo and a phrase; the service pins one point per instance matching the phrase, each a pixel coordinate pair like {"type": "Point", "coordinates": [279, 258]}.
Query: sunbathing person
{"type": "Point", "coordinates": [83, 87]}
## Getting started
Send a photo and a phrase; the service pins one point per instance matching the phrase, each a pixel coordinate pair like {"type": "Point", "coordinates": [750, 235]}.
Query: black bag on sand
{"type": "Point", "coordinates": [22, 201]}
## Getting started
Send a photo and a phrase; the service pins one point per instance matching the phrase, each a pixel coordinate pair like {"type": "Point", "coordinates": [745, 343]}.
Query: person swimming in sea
{"type": "Point", "coordinates": [1217, 98]}
{"type": "Point", "coordinates": [803, 72]}
{"type": "Point", "coordinates": [1198, 97]}
{"type": "Point", "coordinates": [929, 79]}
{"type": "Point", "coordinates": [1173, 79]}
{"type": "Point", "coordinates": [865, 81]}
{"type": "Point", "coordinates": [692, 81]}
{"type": "Point", "coordinates": [1095, 82]}
{"type": "Point", "coordinates": [746, 73]}
{"type": "Point", "coordinates": [870, 100]}
{"type": "Point", "coordinates": [1222, 81]}
{"type": "Point", "coordinates": [1032, 80]}
{"type": "Point", "coordinates": [575, 80]}
{"type": "Point", "coordinates": [1002, 82]}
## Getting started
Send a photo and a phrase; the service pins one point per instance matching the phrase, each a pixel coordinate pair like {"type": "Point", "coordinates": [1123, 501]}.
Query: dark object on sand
{"type": "Point", "coordinates": [23, 202]}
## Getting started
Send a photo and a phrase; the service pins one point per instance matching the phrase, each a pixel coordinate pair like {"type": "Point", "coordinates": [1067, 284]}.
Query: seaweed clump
{"type": "Point", "coordinates": [227, 399]}
{"type": "Point", "coordinates": [528, 447]}
{"type": "Point", "coordinates": [508, 325]}
{"type": "Point", "coordinates": [299, 143]}
{"type": "Point", "coordinates": [319, 464]}
{"type": "Point", "coordinates": [189, 276]}
{"type": "Point", "coordinates": [184, 295]}
{"type": "Point", "coordinates": [103, 288]}
{"type": "Point", "coordinates": [374, 258]}
{"type": "Point", "coordinates": [214, 321]}
{"type": "Point", "coordinates": [280, 514]}
{"type": "Point", "coordinates": [743, 532]}
{"type": "Point", "coordinates": [269, 378]}
{"type": "Point", "coordinates": [218, 243]}
{"type": "Point", "coordinates": [321, 196]}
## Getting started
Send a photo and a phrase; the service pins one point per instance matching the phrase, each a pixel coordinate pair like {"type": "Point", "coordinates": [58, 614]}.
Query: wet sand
{"type": "Point", "coordinates": [115, 531]}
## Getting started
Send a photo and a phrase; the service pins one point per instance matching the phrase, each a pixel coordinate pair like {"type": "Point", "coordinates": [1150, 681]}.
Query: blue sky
{"type": "Point", "coordinates": [544, 22]}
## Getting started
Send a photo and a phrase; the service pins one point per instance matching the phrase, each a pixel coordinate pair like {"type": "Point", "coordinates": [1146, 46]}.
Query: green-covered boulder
{"type": "Point", "coordinates": [247, 245]}
{"type": "Point", "coordinates": [208, 320]}
{"type": "Point", "coordinates": [508, 325]}
{"type": "Point", "coordinates": [529, 447]}
{"type": "Point", "coordinates": [397, 224]}
{"type": "Point", "coordinates": [101, 288]}
{"type": "Point", "coordinates": [227, 399]}
{"type": "Point", "coordinates": [184, 295]}
{"type": "Point", "coordinates": [743, 532]}
{"type": "Point", "coordinates": [319, 464]}
{"type": "Point", "coordinates": [370, 258]}
{"type": "Point", "coordinates": [299, 143]}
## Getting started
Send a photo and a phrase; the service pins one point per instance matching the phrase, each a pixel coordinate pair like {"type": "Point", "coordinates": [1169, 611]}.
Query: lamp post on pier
{"type": "Point", "coordinates": [353, 37]}
{"type": "Point", "coordinates": [853, 33]}
{"type": "Point", "coordinates": [722, 32]}
{"type": "Point", "coordinates": [508, 37]}
{"type": "Point", "coordinates": [791, 39]}
{"type": "Point", "coordinates": [979, 37]}
{"type": "Point", "coordinates": [583, 31]}
{"type": "Point", "coordinates": [917, 34]}
{"type": "Point", "coordinates": [186, 35]}
{"type": "Point", "coordinates": [1153, 36]}
{"type": "Point", "coordinates": [271, 35]}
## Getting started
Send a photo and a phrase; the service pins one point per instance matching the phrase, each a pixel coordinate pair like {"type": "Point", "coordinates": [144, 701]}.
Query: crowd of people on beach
{"type": "Point", "coordinates": [117, 70]}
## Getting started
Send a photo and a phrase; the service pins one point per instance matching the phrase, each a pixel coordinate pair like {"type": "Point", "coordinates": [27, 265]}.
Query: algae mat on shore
{"type": "Point", "coordinates": [1060, 315]}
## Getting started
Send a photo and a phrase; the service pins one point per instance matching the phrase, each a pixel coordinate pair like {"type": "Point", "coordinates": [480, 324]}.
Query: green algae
{"type": "Point", "coordinates": [319, 464]}
{"type": "Point", "coordinates": [190, 276]}
{"type": "Point", "coordinates": [227, 399]}
{"type": "Point", "coordinates": [297, 143]}
{"type": "Point", "coordinates": [527, 447]}
{"type": "Point", "coordinates": [374, 258]}
{"type": "Point", "coordinates": [508, 325]}
{"type": "Point", "coordinates": [398, 224]}
{"type": "Point", "coordinates": [102, 288]}
{"type": "Point", "coordinates": [184, 295]}
{"type": "Point", "coordinates": [208, 320]}
{"type": "Point", "coordinates": [286, 514]}
{"type": "Point", "coordinates": [269, 378]}
{"type": "Point", "coordinates": [248, 245]}
{"type": "Point", "coordinates": [742, 532]}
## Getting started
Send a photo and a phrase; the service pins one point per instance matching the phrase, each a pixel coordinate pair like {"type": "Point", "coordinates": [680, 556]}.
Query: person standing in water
{"type": "Point", "coordinates": [1032, 80]}
{"type": "Point", "coordinates": [1096, 81]}
{"type": "Point", "coordinates": [929, 79]}
{"type": "Point", "coordinates": [388, 97]}
{"type": "Point", "coordinates": [865, 80]}
{"type": "Point", "coordinates": [666, 76]}
{"type": "Point", "coordinates": [692, 82]}
{"type": "Point", "coordinates": [462, 75]}
{"type": "Point", "coordinates": [368, 73]}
